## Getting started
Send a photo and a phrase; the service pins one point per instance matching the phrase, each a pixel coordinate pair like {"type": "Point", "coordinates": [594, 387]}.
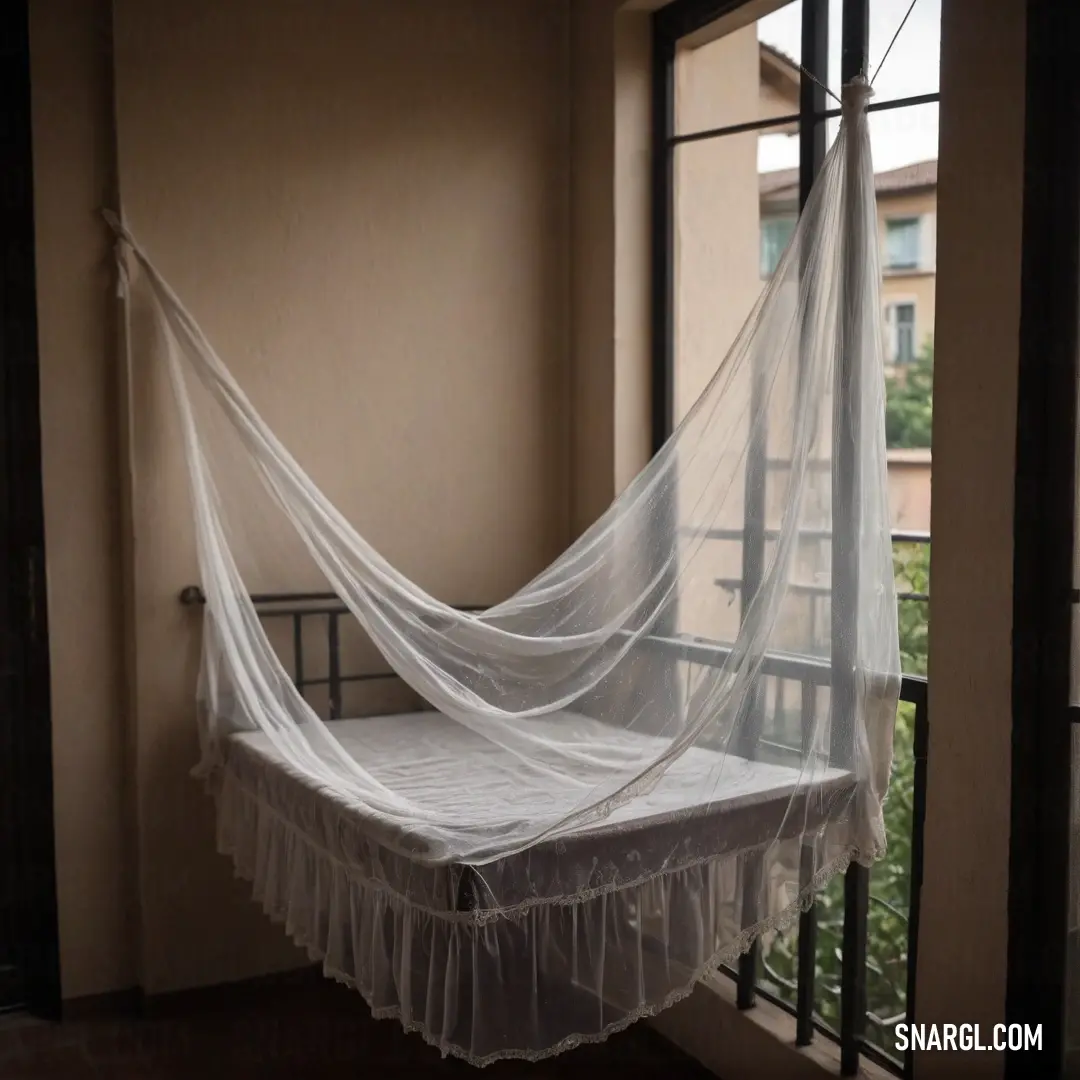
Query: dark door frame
{"type": "Point", "coordinates": [26, 729]}
{"type": "Point", "coordinates": [1043, 537]}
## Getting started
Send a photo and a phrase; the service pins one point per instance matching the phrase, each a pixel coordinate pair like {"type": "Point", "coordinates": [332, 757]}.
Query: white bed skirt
{"type": "Point", "coordinates": [552, 976]}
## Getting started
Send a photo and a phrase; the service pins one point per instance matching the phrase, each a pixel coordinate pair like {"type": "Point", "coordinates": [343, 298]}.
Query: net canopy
{"type": "Point", "coordinates": [622, 777]}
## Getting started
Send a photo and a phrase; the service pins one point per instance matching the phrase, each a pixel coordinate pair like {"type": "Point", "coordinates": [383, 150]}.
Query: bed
{"type": "Point", "coordinates": [419, 941]}
{"type": "Point", "coordinates": [422, 756]}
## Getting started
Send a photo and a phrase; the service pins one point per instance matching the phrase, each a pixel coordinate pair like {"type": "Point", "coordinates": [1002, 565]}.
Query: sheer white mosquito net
{"type": "Point", "coordinates": [622, 776]}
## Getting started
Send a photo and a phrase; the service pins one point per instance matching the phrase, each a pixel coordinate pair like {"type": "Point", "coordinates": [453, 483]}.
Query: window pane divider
{"type": "Point", "coordinates": [795, 118]}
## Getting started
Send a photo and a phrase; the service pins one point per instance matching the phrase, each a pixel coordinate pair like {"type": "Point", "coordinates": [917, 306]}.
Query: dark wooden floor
{"type": "Point", "coordinates": [287, 1032]}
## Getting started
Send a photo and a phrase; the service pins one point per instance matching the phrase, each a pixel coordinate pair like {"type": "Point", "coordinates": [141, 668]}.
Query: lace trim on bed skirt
{"type": "Point", "coordinates": [226, 782]}
{"type": "Point", "coordinates": [626, 954]}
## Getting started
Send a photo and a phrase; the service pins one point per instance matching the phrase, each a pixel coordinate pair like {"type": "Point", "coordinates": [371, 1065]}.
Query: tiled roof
{"type": "Point", "coordinates": [923, 174]}
{"type": "Point", "coordinates": [779, 54]}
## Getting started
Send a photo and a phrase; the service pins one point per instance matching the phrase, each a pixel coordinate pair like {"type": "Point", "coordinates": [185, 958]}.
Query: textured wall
{"type": "Point", "coordinates": [367, 207]}
{"type": "Point", "coordinates": [72, 166]}
{"type": "Point", "coordinates": [611, 185]}
{"type": "Point", "coordinates": [965, 885]}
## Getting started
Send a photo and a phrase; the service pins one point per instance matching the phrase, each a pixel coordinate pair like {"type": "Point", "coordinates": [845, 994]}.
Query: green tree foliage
{"type": "Point", "coordinates": [890, 880]}
{"type": "Point", "coordinates": [909, 402]}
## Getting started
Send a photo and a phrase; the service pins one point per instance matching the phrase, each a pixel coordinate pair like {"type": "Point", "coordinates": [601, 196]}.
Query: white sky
{"type": "Point", "coordinates": [898, 137]}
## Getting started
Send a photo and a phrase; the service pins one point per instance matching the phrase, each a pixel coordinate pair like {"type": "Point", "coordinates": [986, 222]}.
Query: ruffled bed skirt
{"type": "Point", "coordinates": [525, 986]}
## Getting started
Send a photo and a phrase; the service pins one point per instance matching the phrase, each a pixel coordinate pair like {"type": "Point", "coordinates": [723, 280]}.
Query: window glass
{"type": "Point", "coordinates": [775, 234]}
{"type": "Point", "coordinates": [902, 243]}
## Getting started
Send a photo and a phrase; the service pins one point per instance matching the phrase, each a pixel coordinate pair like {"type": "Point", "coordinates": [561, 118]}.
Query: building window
{"type": "Point", "coordinates": [775, 234]}
{"type": "Point", "coordinates": [900, 333]}
{"type": "Point", "coordinates": [902, 243]}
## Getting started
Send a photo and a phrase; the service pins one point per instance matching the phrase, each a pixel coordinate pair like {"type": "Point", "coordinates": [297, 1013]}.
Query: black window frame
{"type": "Point", "coordinates": [670, 24]}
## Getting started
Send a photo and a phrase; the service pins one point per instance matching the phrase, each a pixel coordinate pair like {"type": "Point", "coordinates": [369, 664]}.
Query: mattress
{"type": "Point", "coordinates": [447, 768]}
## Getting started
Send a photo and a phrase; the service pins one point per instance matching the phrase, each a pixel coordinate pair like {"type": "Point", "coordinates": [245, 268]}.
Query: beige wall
{"type": "Point", "coordinates": [593, 179]}
{"type": "Point", "coordinates": [965, 883]}
{"type": "Point", "coordinates": [487, 208]}
{"type": "Point", "coordinates": [631, 265]}
{"type": "Point", "coordinates": [263, 166]}
{"type": "Point", "coordinates": [79, 411]}
{"type": "Point", "coordinates": [611, 187]}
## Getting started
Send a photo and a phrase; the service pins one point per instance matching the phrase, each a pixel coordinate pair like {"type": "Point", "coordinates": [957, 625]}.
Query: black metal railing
{"type": "Point", "coordinates": [839, 1009]}
{"type": "Point", "coordinates": [898, 537]}
{"type": "Point", "coordinates": [303, 609]}
{"type": "Point", "coordinates": [818, 1004]}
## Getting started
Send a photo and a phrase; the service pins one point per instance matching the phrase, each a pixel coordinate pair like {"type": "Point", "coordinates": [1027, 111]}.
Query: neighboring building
{"type": "Point", "coordinates": [733, 222]}
{"type": "Point", "coordinates": [909, 489]}
{"type": "Point", "coordinates": [907, 220]}
{"type": "Point", "coordinates": [907, 224]}
{"type": "Point", "coordinates": [779, 86]}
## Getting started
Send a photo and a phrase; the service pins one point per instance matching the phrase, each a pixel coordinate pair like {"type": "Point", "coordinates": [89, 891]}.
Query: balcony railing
{"type": "Point", "coordinates": [866, 924]}
{"type": "Point", "coordinates": [800, 976]}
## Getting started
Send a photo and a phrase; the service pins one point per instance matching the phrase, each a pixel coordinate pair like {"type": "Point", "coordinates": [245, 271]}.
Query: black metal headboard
{"type": "Point", "coordinates": [299, 607]}
{"type": "Point", "coordinates": [304, 609]}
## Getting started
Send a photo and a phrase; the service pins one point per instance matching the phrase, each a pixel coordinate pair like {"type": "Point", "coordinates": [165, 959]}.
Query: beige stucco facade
{"type": "Point", "coordinates": [903, 194]}
{"type": "Point", "coordinates": [909, 489]}
{"type": "Point", "coordinates": [917, 287]}
{"type": "Point", "coordinates": [721, 203]}
{"type": "Point", "coordinates": [908, 285]}
{"type": "Point", "coordinates": [716, 206]}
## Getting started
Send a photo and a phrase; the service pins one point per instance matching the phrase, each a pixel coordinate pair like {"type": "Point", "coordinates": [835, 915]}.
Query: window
{"type": "Point", "coordinates": [775, 234]}
{"type": "Point", "coordinates": [739, 135]}
{"type": "Point", "coordinates": [900, 333]}
{"type": "Point", "coordinates": [902, 243]}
